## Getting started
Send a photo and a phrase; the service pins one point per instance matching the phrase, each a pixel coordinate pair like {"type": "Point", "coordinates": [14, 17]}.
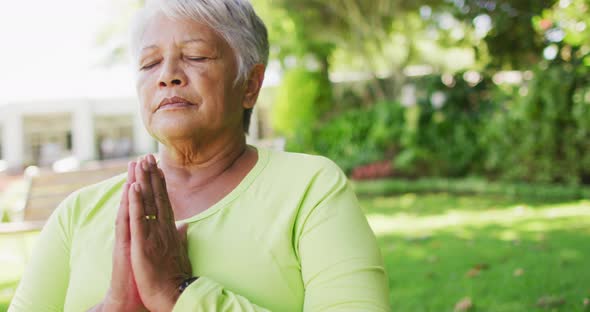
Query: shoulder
{"type": "Point", "coordinates": [308, 179]}
{"type": "Point", "coordinates": [305, 166]}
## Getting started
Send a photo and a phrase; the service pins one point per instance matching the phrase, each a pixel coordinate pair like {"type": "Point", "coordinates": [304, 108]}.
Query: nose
{"type": "Point", "coordinates": [172, 75]}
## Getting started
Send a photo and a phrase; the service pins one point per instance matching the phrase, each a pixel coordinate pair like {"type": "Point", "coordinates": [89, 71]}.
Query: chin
{"type": "Point", "coordinates": [181, 129]}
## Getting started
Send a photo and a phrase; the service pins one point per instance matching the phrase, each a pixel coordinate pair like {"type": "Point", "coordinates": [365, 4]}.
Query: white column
{"type": "Point", "coordinates": [83, 138]}
{"type": "Point", "coordinates": [13, 141]}
{"type": "Point", "coordinates": [143, 142]}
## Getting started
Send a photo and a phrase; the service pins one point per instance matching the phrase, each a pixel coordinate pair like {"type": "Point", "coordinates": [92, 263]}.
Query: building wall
{"type": "Point", "coordinates": [38, 133]}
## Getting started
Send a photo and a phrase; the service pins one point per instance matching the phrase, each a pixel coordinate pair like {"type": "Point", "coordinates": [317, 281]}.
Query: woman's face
{"type": "Point", "coordinates": [185, 83]}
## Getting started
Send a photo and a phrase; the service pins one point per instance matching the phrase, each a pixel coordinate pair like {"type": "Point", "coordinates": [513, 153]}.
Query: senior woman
{"type": "Point", "coordinates": [212, 224]}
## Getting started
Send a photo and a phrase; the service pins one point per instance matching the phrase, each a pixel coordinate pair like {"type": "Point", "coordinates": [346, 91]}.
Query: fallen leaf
{"type": "Point", "coordinates": [476, 270]}
{"type": "Point", "coordinates": [586, 302]}
{"type": "Point", "coordinates": [465, 304]}
{"type": "Point", "coordinates": [473, 272]}
{"type": "Point", "coordinates": [518, 272]}
{"type": "Point", "coordinates": [548, 302]}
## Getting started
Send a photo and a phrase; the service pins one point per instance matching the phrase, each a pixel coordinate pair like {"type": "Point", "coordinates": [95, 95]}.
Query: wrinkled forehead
{"type": "Point", "coordinates": [162, 29]}
{"type": "Point", "coordinates": [158, 30]}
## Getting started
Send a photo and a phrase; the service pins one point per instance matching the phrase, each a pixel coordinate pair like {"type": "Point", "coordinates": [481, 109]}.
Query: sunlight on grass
{"type": "Point", "coordinates": [506, 254]}
{"type": "Point", "coordinates": [408, 223]}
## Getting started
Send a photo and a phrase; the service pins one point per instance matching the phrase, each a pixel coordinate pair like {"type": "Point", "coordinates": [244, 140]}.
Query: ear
{"type": "Point", "coordinates": [253, 86]}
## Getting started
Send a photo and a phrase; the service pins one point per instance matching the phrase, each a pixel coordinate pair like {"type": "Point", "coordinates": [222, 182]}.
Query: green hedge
{"type": "Point", "coordinates": [302, 99]}
{"type": "Point", "coordinates": [360, 136]}
{"type": "Point", "coordinates": [471, 186]}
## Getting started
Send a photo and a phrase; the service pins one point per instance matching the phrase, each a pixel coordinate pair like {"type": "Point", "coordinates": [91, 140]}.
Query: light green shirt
{"type": "Point", "coordinates": [290, 237]}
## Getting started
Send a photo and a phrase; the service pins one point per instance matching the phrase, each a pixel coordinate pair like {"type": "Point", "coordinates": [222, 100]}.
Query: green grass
{"type": "Point", "coordinates": [432, 242]}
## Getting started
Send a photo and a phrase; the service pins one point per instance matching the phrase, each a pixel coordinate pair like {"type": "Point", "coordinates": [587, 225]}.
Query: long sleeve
{"type": "Point", "coordinates": [207, 295]}
{"type": "Point", "coordinates": [341, 264]}
{"type": "Point", "coordinates": [44, 284]}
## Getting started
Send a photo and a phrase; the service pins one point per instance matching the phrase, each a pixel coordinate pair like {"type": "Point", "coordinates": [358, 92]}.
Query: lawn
{"type": "Point", "coordinates": [503, 253]}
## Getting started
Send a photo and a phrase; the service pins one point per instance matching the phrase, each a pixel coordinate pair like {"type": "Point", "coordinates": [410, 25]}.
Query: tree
{"type": "Point", "coordinates": [512, 39]}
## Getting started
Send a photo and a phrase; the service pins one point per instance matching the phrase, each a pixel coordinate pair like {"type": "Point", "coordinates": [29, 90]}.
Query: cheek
{"type": "Point", "coordinates": [145, 96]}
{"type": "Point", "coordinates": [209, 85]}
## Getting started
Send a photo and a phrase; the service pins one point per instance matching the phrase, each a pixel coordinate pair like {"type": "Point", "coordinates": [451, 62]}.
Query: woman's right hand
{"type": "Point", "coordinates": [123, 294]}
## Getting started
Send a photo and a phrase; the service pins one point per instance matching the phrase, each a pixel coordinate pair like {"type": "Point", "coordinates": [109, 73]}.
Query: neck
{"type": "Point", "coordinates": [190, 165]}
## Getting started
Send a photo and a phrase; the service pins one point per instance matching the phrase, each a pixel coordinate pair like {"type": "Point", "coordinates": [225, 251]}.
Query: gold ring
{"type": "Point", "coordinates": [150, 217]}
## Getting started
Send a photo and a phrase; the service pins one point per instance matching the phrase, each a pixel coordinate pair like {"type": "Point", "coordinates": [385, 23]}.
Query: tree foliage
{"type": "Point", "coordinates": [511, 40]}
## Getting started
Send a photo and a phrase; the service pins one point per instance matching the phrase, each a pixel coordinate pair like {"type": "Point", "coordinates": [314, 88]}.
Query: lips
{"type": "Point", "coordinates": [173, 102]}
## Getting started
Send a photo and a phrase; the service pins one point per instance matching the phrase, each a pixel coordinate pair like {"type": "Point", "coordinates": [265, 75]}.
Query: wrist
{"type": "Point", "coordinates": [110, 304]}
{"type": "Point", "coordinates": [178, 290]}
{"type": "Point", "coordinates": [185, 283]}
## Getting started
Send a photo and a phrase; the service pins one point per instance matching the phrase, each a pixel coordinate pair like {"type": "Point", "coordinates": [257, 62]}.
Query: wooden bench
{"type": "Point", "coordinates": [47, 189]}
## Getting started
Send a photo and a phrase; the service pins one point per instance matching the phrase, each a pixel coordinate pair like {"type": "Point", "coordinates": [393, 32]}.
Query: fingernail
{"type": "Point", "coordinates": [144, 166]}
{"type": "Point", "coordinates": [136, 187]}
{"type": "Point", "coordinates": [151, 159]}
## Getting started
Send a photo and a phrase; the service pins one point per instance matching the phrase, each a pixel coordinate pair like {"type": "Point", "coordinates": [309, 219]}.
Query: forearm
{"type": "Point", "coordinates": [207, 295]}
{"type": "Point", "coordinates": [108, 305]}
{"type": "Point", "coordinates": [104, 307]}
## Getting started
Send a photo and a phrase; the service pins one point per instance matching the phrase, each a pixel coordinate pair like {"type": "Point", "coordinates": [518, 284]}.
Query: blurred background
{"type": "Point", "coordinates": [463, 124]}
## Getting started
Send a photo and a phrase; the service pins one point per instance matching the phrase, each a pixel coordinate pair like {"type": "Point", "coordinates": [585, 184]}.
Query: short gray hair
{"type": "Point", "coordinates": [235, 20]}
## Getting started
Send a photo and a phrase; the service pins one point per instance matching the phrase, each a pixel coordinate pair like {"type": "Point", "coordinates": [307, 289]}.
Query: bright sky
{"type": "Point", "coordinates": [48, 50]}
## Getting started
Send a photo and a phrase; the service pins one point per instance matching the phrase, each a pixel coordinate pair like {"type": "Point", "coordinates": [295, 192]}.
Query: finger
{"type": "Point", "coordinates": [131, 172]}
{"type": "Point", "coordinates": [161, 198]}
{"type": "Point", "coordinates": [182, 230]}
{"type": "Point", "coordinates": [142, 175]}
{"type": "Point", "coordinates": [137, 222]}
{"type": "Point", "coordinates": [163, 178]}
{"type": "Point", "coordinates": [122, 241]}
{"type": "Point", "coordinates": [122, 221]}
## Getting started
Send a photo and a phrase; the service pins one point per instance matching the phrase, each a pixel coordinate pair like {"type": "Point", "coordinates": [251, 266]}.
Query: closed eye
{"type": "Point", "coordinates": [149, 66]}
{"type": "Point", "coordinates": [197, 59]}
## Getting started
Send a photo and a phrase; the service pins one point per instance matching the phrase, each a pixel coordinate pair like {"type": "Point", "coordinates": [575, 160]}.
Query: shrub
{"type": "Point", "coordinates": [442, 137]}
{"type": "Point", "coordinates": [543, 135]}
{"type": "Point", "coordinates": [361, 136]}
{"type": "Point", "coordinates": [302, 99]}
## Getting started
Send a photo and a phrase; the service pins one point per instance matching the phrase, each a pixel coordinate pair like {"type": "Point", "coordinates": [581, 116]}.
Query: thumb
{"type": "Point", "coordinates": [182, 230]}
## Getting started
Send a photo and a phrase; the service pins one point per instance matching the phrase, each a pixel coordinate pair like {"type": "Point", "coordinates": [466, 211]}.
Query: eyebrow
{"type": "Point", "coordinates": [196, 40]}
{"type": "Point", "coordinates": [150, 47]}
{"type": "Point", "coordinates": [186, 42]}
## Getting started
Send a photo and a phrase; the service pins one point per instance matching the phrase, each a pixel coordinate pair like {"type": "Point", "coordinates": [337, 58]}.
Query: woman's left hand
{"type": "Point", "coordinates": [158, 248]}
